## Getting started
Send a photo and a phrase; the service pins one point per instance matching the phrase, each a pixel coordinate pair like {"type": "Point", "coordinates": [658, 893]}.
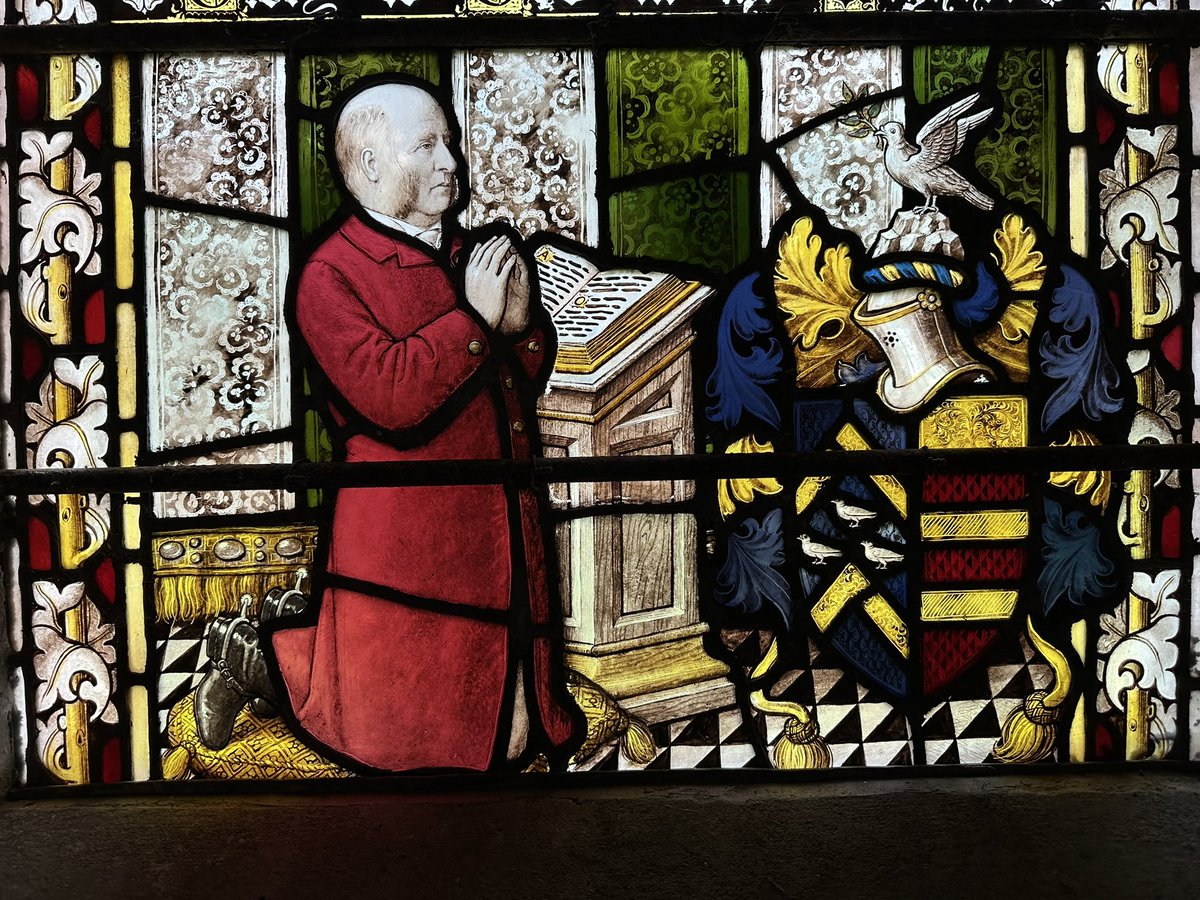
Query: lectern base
{"type": "Point", "coordinates": [659, 682]}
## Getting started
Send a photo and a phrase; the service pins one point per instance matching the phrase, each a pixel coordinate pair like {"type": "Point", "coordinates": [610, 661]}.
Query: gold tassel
{"type": "Point", "coordinates": [176, 764]}
{"type": "Point", "coordinates": [1031, 730]}
{"type": "Point", "coordinates": [637, 744]}
{"type": "Point", "coordinates": [606, 720]}
{"type": "Point", "coordinates": [801, 745]}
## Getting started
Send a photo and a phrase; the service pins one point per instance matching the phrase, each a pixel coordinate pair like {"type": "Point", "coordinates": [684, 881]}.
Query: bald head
{"type": "Point", "coordinates": [393, 148]}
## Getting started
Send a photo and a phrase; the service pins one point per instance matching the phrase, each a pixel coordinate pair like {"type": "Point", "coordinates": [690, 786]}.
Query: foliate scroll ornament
{"type": "Point", "coordinates": [67, 430]}
{"type": "Point", "coordinates": [1124, 68]}
{"type": "Point", "coordinates": [815, 293]}
{"type": "Point", "coordinates": [44, 12]}
{"type": "Point", "coordinates": [1138, 220]}
{"type": "Point", "coordinates": [1137, 664]}
{"type": "Point", "coordinates": [74, 80]}
{"type": "Point", "coordinates": [75, 664]}
{"type": "Point", "coordinates": [59, 215]}
{"type": "Point", "coordinates": [1157, 419]}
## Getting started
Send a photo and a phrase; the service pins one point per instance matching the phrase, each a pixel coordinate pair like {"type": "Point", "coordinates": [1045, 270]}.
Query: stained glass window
{"type": "Point", "coordinates": [542, 385]}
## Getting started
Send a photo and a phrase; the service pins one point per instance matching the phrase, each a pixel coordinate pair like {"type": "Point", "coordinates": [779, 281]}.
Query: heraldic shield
{"type": "Point", "coordinates": [984, 337]}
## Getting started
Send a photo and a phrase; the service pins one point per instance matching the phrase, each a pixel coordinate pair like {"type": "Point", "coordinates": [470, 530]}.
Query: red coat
{"type": "Point", "coordinates": [431, 594]}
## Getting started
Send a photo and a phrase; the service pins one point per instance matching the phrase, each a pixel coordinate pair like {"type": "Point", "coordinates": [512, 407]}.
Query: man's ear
{"type": "Point", "coordinates": [370, 164]}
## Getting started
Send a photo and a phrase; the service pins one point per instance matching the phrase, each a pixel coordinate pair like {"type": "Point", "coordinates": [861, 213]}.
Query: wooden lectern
{"type": "Point", "coordinates": [629, 580]}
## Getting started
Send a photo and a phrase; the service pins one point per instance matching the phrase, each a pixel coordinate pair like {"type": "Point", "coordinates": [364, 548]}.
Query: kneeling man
{"type": "Point", "coordinates": [435, 643]}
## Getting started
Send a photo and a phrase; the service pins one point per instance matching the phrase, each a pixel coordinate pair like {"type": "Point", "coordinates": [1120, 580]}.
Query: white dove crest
{"type": "Point", "coordinates": [922, 167]}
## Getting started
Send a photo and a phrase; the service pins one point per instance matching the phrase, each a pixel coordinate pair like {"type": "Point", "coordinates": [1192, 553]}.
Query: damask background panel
{"type": "Point", "coordinates": [834, 166]}
{"type": "Point", "coordinates": [529, 138]}
{"type": "Point", "coordinates": [705, 221]}
{"type": "Point", "coordinates": [321, 81]}
{"type": "Point", "coordinates": [676, 106]}
{"type": "Point", "coordinates": [217, 346]}
{"type": "Point", "coordinates": [214, 129]}
{"type": "Point", "coordinates": [229, 502]}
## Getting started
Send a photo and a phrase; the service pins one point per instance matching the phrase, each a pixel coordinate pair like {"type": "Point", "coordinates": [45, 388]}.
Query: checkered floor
{"type": "Point", "coordinates": [959, 731]}
{"type": "Point", "coordinates": [184, 661]}
{"type": "Point", "coordinates": [860, 727]}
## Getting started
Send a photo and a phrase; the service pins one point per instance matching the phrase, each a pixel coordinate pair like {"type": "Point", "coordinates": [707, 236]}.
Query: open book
{"type": "Point", "coordinates": [598, 313]}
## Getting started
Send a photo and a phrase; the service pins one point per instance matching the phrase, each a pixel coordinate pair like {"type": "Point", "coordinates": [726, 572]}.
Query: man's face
{"type": "Point", "coordinates": [418, 168]}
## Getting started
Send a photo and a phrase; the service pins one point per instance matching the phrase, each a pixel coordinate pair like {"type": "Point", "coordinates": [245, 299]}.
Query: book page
{"type": "Point", "coordinates": [561, 275]}
{"type": "Point", "coordinates": [601, 301]}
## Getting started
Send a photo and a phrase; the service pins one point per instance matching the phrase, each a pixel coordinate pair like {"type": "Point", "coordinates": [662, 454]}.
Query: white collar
{"type": "Point", "coordinates": [431, 235]}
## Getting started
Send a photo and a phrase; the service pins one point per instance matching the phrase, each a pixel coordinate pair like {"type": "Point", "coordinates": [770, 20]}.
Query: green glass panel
{"type": "Point", "coordinates": [676, 106]}
{"type": "Point", "coordinates": [705, 220]}
{"type": "Point", "coordinates": [319, 198]}
{"type": "Point", "coordinates": [323, 78]}
{"type": "Point", "coordinates": [938, 71]}
{"type": "Point", "coordinates": [1021, 157]}
{"type": "Point", "coordinates": [1019, 154]}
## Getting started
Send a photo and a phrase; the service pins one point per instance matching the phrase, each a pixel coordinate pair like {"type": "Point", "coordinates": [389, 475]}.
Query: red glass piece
{"type": "Point", "coordinates": [91, 128]}
{"type": "Point", "coordinates": [32, 357]}
{"type": "Point", "coordinates": [1170, 533]}
{"type": "Point", "coordinates": [948, 652]}
{"type": "Point", "coordinates": [28, 100]}
{"type": "Point", "coordinates": [93, 318]}
{"type": "Point", "coordinates": [1115, 299]}
{"type": "Point", "coordinates": [975, 564]}
{"type": "Point", "coordinates": [1104, 123]}
{"type": "Point", "coordinates": [1102, 742]}
{"type": "Point", "coordinates": [106, 580]}
{"type": "Point", "coordinates": [1168, 89]}
{"type": "Point", "coordinates": [1172, 347]}
{"type": "Point", "coordinates": [39, 545]}
{"type": "Point", "coordinates": [110, 761]}
{"type": "Point", "coordinates": [973, 487]}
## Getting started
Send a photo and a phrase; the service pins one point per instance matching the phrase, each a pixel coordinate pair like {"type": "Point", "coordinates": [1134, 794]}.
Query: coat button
{"type": "Point", "coordinates": [475, 348]}
{"type": "Point", "coordinates": [508, 382]}
{"type": "Point", "coordinates": [534, 346]}
{"type": "Point", "coordinates": [518, 426]}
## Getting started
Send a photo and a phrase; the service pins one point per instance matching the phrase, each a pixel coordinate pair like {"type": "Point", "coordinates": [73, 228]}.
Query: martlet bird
{"type": "Point", "coordinates": [855, 515]}
{"type": "Point", "coordinates": [818, 553]}
{"type": "Point", "coordinates": [881, 556]}
{"type": "Point", "coordinates": [923, 167]}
